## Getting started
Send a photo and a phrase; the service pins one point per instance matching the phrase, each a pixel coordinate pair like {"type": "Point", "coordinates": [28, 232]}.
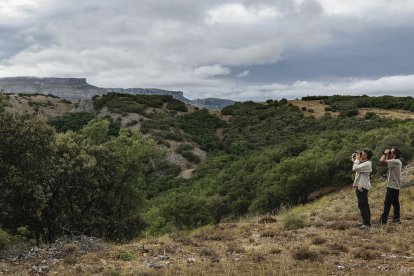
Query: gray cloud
{"type": "Point", "coordinates": [201, 47]}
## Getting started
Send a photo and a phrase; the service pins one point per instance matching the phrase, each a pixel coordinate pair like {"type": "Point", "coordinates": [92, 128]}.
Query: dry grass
{"type": "Point", "coordinates": [327, 243]}
{"type": "Point", "coordinates": [313, 108]}
{"type": "Point", "coordinates": [318, 240]}
{"type": "Point", "coordinates": [317, 110]}
{"type": "Point", "coordinates": [391, 114]}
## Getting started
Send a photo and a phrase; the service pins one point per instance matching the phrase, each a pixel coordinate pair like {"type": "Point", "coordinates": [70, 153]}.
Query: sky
{"type": "Point", "coordinates": [240, 50]}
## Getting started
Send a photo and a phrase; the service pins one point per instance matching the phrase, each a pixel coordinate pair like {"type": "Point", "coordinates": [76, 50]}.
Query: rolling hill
{"type": "Point", "coordinates": [105, 178]}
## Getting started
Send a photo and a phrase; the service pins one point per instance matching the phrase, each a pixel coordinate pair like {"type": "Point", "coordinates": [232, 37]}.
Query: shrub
{"type": "Point", "coordinates": [318, 240]}
{"type": "Point", "coordinates": [292, 220]}
{"type": "Point", "coordinates": [283, 101]}
{"type": "Point", "coordinates": [131, 123]}
{"type": "Point", "coordinates": [235, 248]}
{"type": "Point", "coordinates": [71, 248]}
{"type": "Point", "coordinates": [175, 136]}
{"type": "Point", "coordinates": [338, 247]}
{"type": "Point", "coordinates": [177, 106]}
{"type": "Point", "coordinates": [69, 260]}
{"type": "Point", "coordinates": [306, 254]}
{"type": "Point", "coordinates": [190, 156]}
{"type": "Point", "coordinates": [70, 121]}
{"type": "Point", "coordinates": [125, 106]}
{"type": "Point", "coordinates": [184, 147]}
{"type": "Point", "coordinates": [124, 255]}
{"type": "Point", "coordinates": [366, 254]}
{"type": "Point", "coordinates": [370, 115]}
{"type": "Point", "coordinates": [5, 239]}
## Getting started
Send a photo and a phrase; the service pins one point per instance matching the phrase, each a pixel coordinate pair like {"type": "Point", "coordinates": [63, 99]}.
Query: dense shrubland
{"type": "Point", "coordinates": [82, 176]}
{"type": "Point", "coordinates": [137, 103]}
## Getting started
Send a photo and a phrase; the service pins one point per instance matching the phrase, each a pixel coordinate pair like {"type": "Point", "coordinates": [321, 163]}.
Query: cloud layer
{"type": "Point", "coordinates": [204, 48]}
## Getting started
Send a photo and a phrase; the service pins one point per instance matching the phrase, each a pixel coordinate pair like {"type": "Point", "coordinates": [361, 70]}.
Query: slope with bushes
{"type": "Point", "coordinates": [318, 238]}
{"type": "Point", "coordinates": [104, 179]}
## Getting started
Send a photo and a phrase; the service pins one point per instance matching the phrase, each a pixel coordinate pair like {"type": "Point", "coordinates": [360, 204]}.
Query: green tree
{"type": "Point", "coordinates": [27, 148]}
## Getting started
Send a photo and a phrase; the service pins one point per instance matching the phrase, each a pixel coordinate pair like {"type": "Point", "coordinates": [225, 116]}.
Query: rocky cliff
{"type": "Point", "coordinates": [75, 89]}
{"type": "Point", "coordinates": [72, 89]}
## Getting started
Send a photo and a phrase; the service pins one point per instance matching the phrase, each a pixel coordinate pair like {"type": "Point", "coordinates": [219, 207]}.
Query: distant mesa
{"type": "Point", "coordinates": [74, 89]}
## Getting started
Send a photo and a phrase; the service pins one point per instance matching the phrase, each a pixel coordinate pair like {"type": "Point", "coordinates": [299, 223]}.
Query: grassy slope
{"type": "Point", "coordinates": [328, 244]}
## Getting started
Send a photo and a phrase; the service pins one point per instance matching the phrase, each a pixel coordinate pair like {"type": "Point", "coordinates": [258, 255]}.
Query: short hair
{"type": "Point", "coordinates": [368, 153]}
{"type": "Point", "coordinates": [397, 152]}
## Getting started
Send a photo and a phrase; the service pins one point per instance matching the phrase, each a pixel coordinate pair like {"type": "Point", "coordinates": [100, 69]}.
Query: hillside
{"type": "Point", "coordinates": [44, 105]}
{"type": "Point", "coordinates": [104, 178]}
{"type": "Point", "coordinates": [319, 238]}
{"type": "Point", "coordinates": [58, 110]}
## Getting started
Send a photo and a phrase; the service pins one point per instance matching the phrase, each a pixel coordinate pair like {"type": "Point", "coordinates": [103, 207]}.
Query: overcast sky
{"type": "Point", "coordinates": [240, 49]}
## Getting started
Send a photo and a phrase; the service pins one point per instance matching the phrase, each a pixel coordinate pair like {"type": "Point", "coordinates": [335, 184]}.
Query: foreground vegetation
{"type": "Point", "coordinates": [79, 174]}
{"type": "Point", "coordinates": [319, 238]}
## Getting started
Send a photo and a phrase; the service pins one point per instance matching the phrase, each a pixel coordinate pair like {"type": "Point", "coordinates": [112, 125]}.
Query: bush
{"type": "Point", "coordinates": [191, 157]}
{"type": "Point", "coordinates": [201, 127]}
{"type": "Point", "coordinates": [293, 220]}
{"type": "Point", "coordinates": [70, 121]}
{"type": "Point", "coordinates": [366, 254]}
{"type": "Point", "coordinates": [124, 255]}
{"type": "Point", "coordinates": [184, 147]}
{"type": "Point", "coordinates": [306, 254]}
{"type": "Point", "coordinates": [177, 106]}
{"type": "Point", "coordinates": [370, 115]}
{"type": "Point", "coordinates": [131, 123]}
{"type": "Point", "coordinates": [5, 239]}
{"type": "Point", "coordinates": [318, 240]}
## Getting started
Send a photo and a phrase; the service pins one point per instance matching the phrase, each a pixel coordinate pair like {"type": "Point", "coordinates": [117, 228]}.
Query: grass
{"type": "Point", "coordinates": [293, 219]}
{"type": "Point", "coordinates": [318, 238]}
{"type": "Point", "coordinates": [317, 109]}
{"type": "Point", "coordinates": [124, 255]}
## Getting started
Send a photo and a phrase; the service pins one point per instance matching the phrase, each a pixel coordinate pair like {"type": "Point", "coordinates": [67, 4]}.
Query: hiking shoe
{"type": "Point", "coordinates": [396, 220]}
{"type": "Point", "coordinates": [359, 224]}
{"type": "Point", "coordinates": [364, 226]}
{"type": "Point", "coordinates": [381, 222]}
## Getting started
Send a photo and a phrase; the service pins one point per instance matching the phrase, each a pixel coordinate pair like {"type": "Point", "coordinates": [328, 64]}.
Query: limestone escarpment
{"type": "Point", "coordinates": [72, 89]}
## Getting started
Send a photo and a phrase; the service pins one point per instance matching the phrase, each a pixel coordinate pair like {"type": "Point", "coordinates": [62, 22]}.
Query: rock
{"type": "Point", "coordinates": [164, 256]}
{"type": "Point", "coordinates": [191, 260]}
{"type": "Point", "coordinates": [153, 264]}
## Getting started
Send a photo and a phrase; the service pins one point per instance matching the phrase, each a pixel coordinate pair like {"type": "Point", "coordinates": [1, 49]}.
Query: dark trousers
{"type": "Point", "coordinates": [363, 206]}
{"type": "Point", "coordinates": [391, 198]}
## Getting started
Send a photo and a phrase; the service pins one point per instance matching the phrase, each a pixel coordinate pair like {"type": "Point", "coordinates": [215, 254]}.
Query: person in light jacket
{"type": "Point", "coordinates": [363, 167]}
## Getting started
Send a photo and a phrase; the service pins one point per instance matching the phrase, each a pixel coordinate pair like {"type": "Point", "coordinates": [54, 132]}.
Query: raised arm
{"type": "Point", "coordinates": [383, 159]}
{"type": "Point", "coordinates": [362, 167]}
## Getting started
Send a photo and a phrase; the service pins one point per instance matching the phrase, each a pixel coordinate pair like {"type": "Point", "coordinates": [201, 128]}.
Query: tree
{"type": "Point", "coordinates": [26, 158]}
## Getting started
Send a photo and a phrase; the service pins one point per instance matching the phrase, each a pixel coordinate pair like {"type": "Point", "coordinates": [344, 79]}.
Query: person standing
{"type": "Point", "coordinates": [363, 167]}
{"type": "Point", "coordinates": [391, 159]}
